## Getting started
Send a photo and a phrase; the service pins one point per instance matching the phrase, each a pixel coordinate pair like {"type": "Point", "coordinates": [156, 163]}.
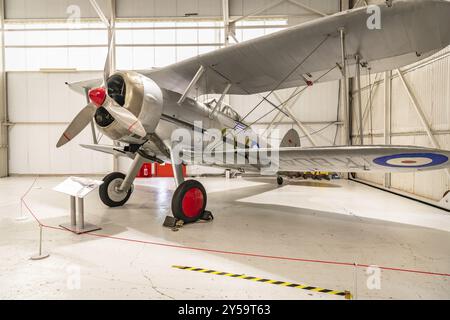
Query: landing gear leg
{"type": "Point", "coordinates": [117, 187]}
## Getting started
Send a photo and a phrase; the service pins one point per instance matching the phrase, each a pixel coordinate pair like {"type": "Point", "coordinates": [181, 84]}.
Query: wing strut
{"type": "Point", "coordinates": [194, 81]}
{"type": "Point", "coordinates": [345, 95]}
{"type": "Point", "coordinates": [219, 103]}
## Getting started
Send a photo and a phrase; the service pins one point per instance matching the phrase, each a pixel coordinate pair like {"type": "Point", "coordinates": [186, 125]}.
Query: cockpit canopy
{"type": "Point", "coordinates": [226, 109]}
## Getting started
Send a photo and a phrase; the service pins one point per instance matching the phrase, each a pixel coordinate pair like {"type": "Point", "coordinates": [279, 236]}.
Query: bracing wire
{"type": "Point", "coordinates": [279, 107]}
{"type": "Point", "coordinates": [290, 98]}
{"type": "Point", "coordinates": [284, 80]}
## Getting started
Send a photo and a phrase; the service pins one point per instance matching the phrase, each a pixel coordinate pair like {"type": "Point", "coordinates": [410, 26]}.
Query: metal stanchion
{"type": "Point", "coordinates": [40, 255]}
{"type": "Point", "coordinates": [355, 294]}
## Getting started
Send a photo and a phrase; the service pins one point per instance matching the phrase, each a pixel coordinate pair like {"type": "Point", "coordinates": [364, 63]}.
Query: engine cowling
{"type": "Point", "coordinates": [139, 95]}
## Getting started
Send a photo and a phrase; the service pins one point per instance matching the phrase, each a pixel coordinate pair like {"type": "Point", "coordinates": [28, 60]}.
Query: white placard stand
{"type": "Point", "coordinates": [78, 188]}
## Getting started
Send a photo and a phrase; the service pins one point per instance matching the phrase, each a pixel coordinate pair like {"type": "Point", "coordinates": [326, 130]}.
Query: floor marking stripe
{"type": "Point", "coordinates": [345, 294]}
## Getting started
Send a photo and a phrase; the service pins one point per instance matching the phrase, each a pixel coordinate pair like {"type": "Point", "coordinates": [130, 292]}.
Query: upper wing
{"type": "Point", "coordinates": [410, 30]}
{"type": "Point", "coordinates": [332, 159]}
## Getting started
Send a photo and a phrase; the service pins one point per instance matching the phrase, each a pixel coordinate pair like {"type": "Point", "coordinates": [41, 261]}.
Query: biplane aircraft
{"type": "Point", "coordinates": [142, 110]}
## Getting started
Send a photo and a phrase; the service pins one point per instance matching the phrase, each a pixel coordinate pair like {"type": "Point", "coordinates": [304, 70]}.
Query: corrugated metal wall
{"type": "Point", "coordinates": [430, 83]}
{"type": "Point", "coordinates": [316, 108]}
{"type": "Point", "coordinates": [41, 107]}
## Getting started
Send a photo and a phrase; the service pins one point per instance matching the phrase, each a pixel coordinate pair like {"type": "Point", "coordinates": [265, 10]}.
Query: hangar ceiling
{"type": "Point", "coordinates": [57, 9]}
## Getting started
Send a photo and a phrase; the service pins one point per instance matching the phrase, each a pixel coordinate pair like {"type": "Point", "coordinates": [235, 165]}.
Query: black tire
{"type": "Point", "coordinates": [280, 181]}
{"type": "Point", "coordinates": [197, 201]}
{"type": "Point", "coordinates": [110, 197]}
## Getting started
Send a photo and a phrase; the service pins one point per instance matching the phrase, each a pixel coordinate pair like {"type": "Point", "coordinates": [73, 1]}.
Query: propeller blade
{"type": "Point", "coordinates": [83, 118]}
{"type": "Point", "coordinates": [107, 70]}
{"type": "Point", "coordinates": [125, 118]}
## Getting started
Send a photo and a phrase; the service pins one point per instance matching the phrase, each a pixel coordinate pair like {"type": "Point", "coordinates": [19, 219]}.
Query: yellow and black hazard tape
{"type": "Point", "coordinates": [345, 294]}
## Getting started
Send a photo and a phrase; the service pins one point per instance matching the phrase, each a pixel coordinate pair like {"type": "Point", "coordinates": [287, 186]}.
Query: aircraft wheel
{"type": "Point", "coordinates": [110, 193]}
{"type": "Point", "coordinates": [280, 181]}
{"type": "Point", "coordinates": [189, 201]}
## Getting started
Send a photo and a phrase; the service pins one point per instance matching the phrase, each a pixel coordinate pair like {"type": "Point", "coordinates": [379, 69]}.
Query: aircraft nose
{"type": "Point", "coordinates": [97, 96]}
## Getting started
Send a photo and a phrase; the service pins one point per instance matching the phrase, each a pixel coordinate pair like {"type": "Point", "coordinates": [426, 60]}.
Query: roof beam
{"type": "Point", "coordinates": [259, 10]}
{"type": "Point", "coordinates": [308, 8]}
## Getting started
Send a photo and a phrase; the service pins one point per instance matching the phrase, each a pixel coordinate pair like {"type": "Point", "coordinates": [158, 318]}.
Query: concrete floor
{"type": "Point", "coordinates": [339, 221]}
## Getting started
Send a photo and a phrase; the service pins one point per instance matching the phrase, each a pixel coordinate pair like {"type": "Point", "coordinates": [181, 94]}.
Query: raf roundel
{"type": "Point", "coordinates": [412, 160]}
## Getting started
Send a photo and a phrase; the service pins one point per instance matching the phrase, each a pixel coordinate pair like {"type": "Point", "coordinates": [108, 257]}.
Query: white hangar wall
{"type": "Point", "coordinates": [316, 108]}
{"type": "Point", "coordinates": [429, 82]}
{"type": "Point", "coordinates": [149, 33]}
{"type": "Point", "coordinates": [41, 107]}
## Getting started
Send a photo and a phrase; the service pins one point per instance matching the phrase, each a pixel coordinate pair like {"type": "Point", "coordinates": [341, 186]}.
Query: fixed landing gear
{"type": "Point", "coordinates": [189, 201]}
{"type": "Point", "coordinates": [188, 205]}
{"type": "Point", "coordinates": [110, 191]}
{"type": "Point", "coordinates": [118, 187]}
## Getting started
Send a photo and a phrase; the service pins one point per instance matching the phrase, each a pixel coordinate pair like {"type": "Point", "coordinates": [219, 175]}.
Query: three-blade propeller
{"type": "Point", "coordinates": [99, 98]}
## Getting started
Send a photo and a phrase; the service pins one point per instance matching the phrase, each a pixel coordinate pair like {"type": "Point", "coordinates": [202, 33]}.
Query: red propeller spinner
{"type": "Point", "coordinates": [97, 96]}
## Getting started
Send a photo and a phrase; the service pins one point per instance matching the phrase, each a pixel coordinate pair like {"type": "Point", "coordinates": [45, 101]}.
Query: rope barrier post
{"type": "Point", "coordinates": [40, 255]}
{"type": "Point", "coordinates": [356, 280]}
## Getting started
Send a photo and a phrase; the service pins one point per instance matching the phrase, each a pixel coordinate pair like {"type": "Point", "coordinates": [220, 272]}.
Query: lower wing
{"type": "Point", "coordinates": [334, 159]}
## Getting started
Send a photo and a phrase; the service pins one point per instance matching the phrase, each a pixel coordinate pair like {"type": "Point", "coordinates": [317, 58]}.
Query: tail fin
{"type": "Point", "coordinates": [291, 140]}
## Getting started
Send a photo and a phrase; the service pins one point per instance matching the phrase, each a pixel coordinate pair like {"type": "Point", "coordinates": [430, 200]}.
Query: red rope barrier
{"type": "Point", "coordinates": [236, 253]}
